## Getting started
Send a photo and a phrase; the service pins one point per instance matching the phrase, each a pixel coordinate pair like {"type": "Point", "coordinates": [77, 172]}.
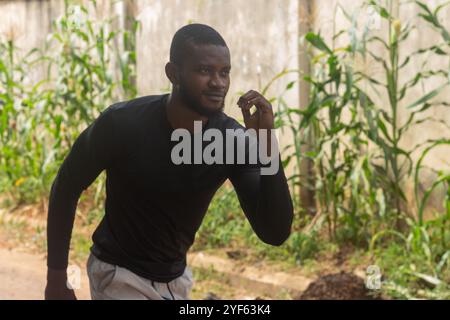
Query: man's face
{"type": "Point", "coordinates": [205, 78]}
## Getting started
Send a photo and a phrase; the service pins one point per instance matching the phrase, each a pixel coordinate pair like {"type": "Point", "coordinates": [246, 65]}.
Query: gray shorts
{"type": "Point", "coordinates": [111, 282]}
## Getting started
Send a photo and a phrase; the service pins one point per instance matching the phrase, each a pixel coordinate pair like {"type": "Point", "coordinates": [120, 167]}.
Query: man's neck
{"type": "Point", "coordinates": [180, 115]}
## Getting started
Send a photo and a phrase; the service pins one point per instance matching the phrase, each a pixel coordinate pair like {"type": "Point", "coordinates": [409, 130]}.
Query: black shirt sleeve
{"type": "Point", "coordinates": [92, 152]}
{"type": "Point", "coordinates": [266, 202]}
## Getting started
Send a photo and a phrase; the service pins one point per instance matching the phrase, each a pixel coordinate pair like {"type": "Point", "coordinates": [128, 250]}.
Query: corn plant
{"type": "Point", "coordinates": [22, 160]}
{"type": "Point", "coordinates": [40, 121]}
{"type": "Point", "coordinates": [360, 166]}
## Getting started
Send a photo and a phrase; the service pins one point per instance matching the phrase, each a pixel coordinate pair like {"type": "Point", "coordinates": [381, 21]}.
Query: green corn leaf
{"type": "Point", "coordinates": [428, 96]}
{"type": "Point", "coordinates": [317, 41]}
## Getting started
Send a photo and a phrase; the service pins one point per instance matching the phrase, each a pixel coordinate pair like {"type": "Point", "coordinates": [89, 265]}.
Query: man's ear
{"type": "Point", "coordinates": [171, 73]}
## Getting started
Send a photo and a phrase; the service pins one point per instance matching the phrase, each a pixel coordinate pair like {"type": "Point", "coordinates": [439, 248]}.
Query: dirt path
{"type": "Point", "coordinates": [23, 275]}
{"type": "Point", "coordinates": [220, 274]}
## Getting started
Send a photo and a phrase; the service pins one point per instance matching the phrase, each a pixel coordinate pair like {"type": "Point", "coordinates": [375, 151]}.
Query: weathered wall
{"type": "Point", "coordinates": [328, 17]}
{"type": "Point", "coordinates": [262, 36]}
{"type": "Point", "coordinates": [262, 42]}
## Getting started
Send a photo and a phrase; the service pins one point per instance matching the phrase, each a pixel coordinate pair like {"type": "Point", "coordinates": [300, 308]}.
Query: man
{"type": "Point", "coordinates": [154, 207]}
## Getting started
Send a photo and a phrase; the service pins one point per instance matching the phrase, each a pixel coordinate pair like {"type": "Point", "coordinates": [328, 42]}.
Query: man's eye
{"type": "Point", "coordinates": [204, 70]}
{"type": "Point", "coordinates": [225, 73]}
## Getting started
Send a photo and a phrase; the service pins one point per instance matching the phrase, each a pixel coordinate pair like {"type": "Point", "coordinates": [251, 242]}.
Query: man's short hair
{"type": "Point", "coordinates": [193, 34]}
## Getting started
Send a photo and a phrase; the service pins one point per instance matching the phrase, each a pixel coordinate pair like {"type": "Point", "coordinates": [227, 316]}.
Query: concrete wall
{"type": "Point", "coordinates": [262, 42]}
{"type": "Point", "coordinates": [262, 36]}
{"type": "Point", "coordinates": [329, 18]}
{"type": "Point", "coordinates": [28, 24]}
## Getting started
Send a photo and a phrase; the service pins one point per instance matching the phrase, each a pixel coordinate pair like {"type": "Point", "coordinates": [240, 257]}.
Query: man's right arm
{"type": "Point", "coordinates": [91, 153]}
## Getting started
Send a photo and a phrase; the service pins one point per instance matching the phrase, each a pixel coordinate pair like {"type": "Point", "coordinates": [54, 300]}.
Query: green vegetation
{"type": "Point", "coordinates": [351, 127]}
{"type": "Point", "coordinates": [40, 120]}
{"type": "Point", "coordinates": [360, 168]}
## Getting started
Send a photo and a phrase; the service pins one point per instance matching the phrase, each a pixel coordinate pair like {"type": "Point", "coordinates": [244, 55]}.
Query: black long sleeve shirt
{"type": "Point", "coordinates": [153, 208]}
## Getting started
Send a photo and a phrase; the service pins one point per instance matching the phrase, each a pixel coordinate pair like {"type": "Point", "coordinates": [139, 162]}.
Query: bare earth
{"type": "Point", "coordinates": [22, 277]}
{"type": "Point", "coordinates": [217, 276]}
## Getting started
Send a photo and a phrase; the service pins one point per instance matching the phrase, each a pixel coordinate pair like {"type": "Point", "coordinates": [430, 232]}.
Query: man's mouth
{"type": "Point", "coordinates": [214, 97]}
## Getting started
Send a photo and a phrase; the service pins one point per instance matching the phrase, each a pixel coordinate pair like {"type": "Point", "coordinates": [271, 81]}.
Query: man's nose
{"type": "Point", "coordinates": [217, 81]}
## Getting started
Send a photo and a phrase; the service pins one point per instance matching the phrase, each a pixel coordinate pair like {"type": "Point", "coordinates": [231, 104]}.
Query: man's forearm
{"type": "Point", "coordinates": [61, 214]}
{"type": "Point", "coordinates": [266, 202]}
{"type": "Point", "coordinates": [275, 209]}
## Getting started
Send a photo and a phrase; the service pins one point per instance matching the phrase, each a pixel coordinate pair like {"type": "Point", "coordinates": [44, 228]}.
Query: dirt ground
{"type": "Point", "coordinates": [338, 286]}
{"type": "Point", "coordinates": [22, 276]}
{"type": "Point", "coordinates": [23, 272]}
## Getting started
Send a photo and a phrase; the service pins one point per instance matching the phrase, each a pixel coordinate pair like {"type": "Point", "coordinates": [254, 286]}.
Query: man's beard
{"type": "Point", "coordinates": [195, 105]}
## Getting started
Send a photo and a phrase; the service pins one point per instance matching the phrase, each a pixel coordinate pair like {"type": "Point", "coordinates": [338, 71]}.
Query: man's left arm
{"type": "Point", "coordinates": [266, 202]}
{"type": "Point", "coordinates": [265, 199]}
